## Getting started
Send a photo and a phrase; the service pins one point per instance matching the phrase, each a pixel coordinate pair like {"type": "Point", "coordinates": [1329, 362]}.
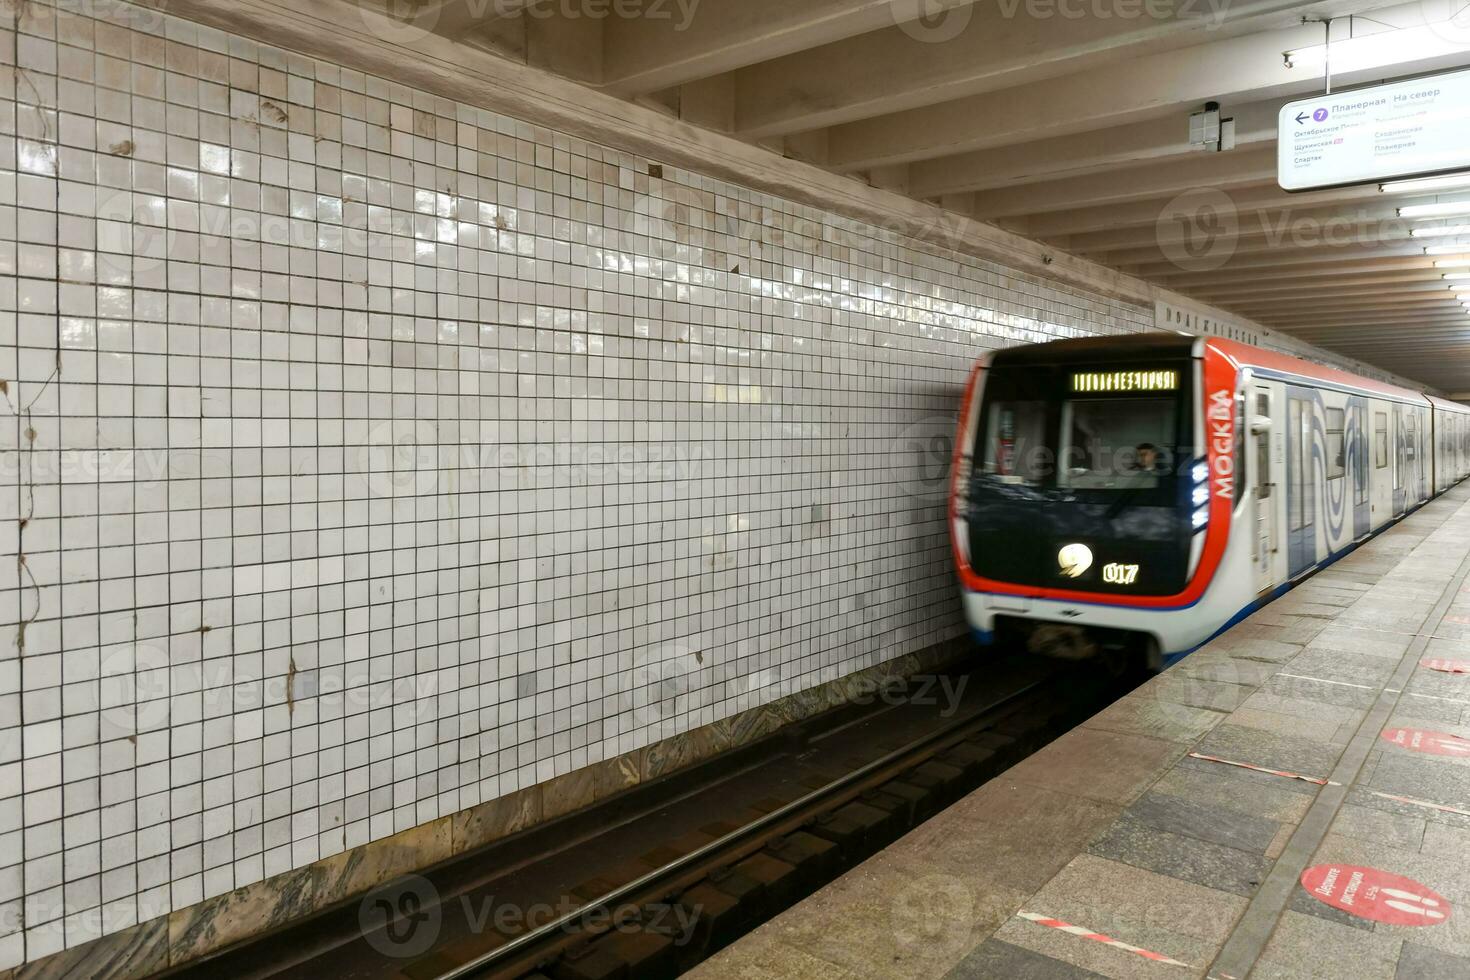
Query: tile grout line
{"type": "Point", "coordinates": [1248, 939]}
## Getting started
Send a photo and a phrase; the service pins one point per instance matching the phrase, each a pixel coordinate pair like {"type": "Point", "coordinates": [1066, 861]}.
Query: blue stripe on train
{"type": "Point", "coordinates": [1173, 658]}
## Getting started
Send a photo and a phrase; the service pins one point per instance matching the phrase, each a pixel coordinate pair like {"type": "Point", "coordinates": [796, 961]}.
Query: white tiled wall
{"type": "Point", "coordinates": [367, 456]}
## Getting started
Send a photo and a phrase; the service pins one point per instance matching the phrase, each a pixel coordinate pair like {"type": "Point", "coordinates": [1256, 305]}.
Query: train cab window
{"type": "Point", "coordinates": [1110, 443]}
{"type": "Point", "coordinates": [1015, 442]}
{"type": "Point", "coordinates": [1336, 444]}
{"type": "Point", "coordinates": [1380, 440]}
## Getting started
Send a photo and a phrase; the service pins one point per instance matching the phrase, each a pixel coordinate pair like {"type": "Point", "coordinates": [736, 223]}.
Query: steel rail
{"type": "Point", "coordinates": [524, 942]}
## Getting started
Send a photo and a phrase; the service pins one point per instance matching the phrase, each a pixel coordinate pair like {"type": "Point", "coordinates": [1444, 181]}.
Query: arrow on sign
{"type": "Point", "coordinates": [1301, 117]}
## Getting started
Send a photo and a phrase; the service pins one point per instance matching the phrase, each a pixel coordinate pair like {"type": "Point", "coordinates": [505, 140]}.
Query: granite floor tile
{"type": "Point", "coordinates": [1261, 649]}
{"type": "Point", "coordinates": [994, 959]}
{"type": "Point", "coordinates": [1278, 843]}
{"type": "Point", "coordinates": [1450, 650]}
{"type": "Point", "coordinates": [1301, 616]}
{"type": "Point", "coordinates": [761, 956]}
{"type": "Point", "coordinates": [1008, 835]}
{"type": "Point", "coordinates": [1186, 858]}
{"type": "Point", "coordinates": [1218, 691]}
{"type": "Point", "coordinates": [1296, 633]}
{"type": "Point", "coordinates": [1292, 685]}
{"type": "Point", "coordinates": [1436, 685]}
{"type": "Point", "coordinates": [1252, 673]}
{"type": "Point", "coordinates": [1337, 665]}
{"type": "Point", "coordinates": [1181, 920]}
{"type": "Point", "coordinates": [1098, 959]}
{"type": "Point", "coordinates": [1125, 893]}
{"type": "Point", "coordinates": [1226, 826]}
{"type": "Point", "coordinates": [1304, 904]}
{"type": "Point", "coordinates": [1397, 830]}
{"type": "Point", "coordinates": [1389, 616]}
{"type": "Point", "coordinates": [1215, 785]}
{"type": "Point", "coordinates": [1374, 643]}
{"type": "Point", "coordinates": [1309, 709]}
{"type": "Point", "coordinates": [1416, 711]}
{"type": "Point", "coordinates": [1105, 766]}
{"type": "Point", "coordinates": [1441, 838]}
{"type": "Point", "coordinates": [1446, 873]}
{"type": "Point", "coordinates": [1418, 962]}
{"type": "Point", "coordinates": [1422, 777]}
{"type": "Point", "coordinates": [1363, 796]}
{"type": "Point", "coordinates": [1249, 779]}
{"type": "Point", "coordinates": [1292, 754]}
{"type": "Point", "coordinates": [1324, 731]}
{"type": "Point", "coordinates": [1310, 948]}
{"type": "Point", "coordinates": [891, 918]}
{"type": "Point", "coordinates": [1156, 718]}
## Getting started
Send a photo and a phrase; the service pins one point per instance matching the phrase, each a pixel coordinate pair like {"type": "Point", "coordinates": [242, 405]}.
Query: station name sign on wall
{"type": "Point", "coordinates": [1386, 132]}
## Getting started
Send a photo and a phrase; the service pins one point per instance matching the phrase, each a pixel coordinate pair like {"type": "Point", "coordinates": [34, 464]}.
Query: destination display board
{"type": "Point", "coordinates": [1385, 132]}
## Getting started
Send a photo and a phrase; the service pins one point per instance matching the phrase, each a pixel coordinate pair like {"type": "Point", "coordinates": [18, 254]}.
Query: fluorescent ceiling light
{"type": "Point", "coordinates": [1439, 231]}
{"type": "Point", "coordinates": [1451, 263]}
{"type": "Point", "coordinates": [1457, 276]}
{"type": "Point", "coordinates": [1426, 185]}
{"type": "Point", "coordinates": [1447, 250]}
{"type": "Point", "coordinates": [1445, 209]}
{"type": "Point", "coordinates": [1391, 47]}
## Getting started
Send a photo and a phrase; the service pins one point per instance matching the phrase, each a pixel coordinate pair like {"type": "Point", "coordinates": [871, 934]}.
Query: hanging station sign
{"type": "Point", "coordinates": [1405, 129]}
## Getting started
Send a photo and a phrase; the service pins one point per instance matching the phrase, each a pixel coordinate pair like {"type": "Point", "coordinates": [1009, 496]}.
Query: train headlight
{"type": "Point", "coordinates": [1201, 496]}
{"type": "Point", "coordinates": [1201, 518]}
{"type": "Point", "coordinates": [1201, 472]}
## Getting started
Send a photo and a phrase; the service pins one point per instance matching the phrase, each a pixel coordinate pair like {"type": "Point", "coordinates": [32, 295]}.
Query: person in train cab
{"type": "Point", "coordinates": [1146, 458]}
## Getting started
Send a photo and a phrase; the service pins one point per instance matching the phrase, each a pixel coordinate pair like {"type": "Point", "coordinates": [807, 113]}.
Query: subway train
{"type": "Point", "coordinates": [1132, 497]}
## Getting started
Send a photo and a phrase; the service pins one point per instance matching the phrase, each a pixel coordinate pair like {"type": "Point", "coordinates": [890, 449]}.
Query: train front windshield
{"type": "Point", "coordinates": [1070, 456]}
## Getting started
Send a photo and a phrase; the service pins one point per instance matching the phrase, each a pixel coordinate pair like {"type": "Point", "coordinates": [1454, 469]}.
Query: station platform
{"type": "Point", "coordinates": [1292, 800]}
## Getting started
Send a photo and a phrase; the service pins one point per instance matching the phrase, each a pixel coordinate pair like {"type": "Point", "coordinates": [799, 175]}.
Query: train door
{"type": "Point", "coordinates": [1301, 484]}
{"type": "Point", "coordinates": [1265, 497]}
{"type": "Point", "coordinates": [1400, 463]}
{"type": "Point", "coordinates": [1415, 458]}
{"type": "Point", "coordinates": [1358, 451]}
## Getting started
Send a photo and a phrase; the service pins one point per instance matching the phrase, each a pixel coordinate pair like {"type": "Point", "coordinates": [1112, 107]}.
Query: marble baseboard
{"type": "Point", "coordinates": [236, 916]}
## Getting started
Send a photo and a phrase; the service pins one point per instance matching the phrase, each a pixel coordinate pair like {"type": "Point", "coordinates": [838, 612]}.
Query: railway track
{"type": "Point", "coordinates": [659, 878]}
{"type": "Point", "coordinates": [683, 911]}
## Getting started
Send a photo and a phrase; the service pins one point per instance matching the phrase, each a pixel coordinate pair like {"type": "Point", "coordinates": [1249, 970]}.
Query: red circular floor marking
{"type": "Point", "coordinates": [1446, 666]}
{"type": "Point", "coordinates": [1432, 743]}
{"type": "Point", "coordinates": [1378, 895]}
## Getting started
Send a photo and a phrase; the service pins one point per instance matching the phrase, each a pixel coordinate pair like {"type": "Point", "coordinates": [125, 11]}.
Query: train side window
{"type": "Point", "coordinates": [1336, 445]}
{"type": "Point", "coordinates": [1380, 440]}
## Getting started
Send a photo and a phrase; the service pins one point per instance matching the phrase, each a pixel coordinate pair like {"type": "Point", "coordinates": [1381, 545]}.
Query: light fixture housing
{"type": "Point", "coordinates": [1426, 185]}
{"type": "Point", "coordinates": [1384, 48]}
{"type": "Point", "coordinates": [1439, 231]}
{"type": "Point", "coordinates": [1442, 209]}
